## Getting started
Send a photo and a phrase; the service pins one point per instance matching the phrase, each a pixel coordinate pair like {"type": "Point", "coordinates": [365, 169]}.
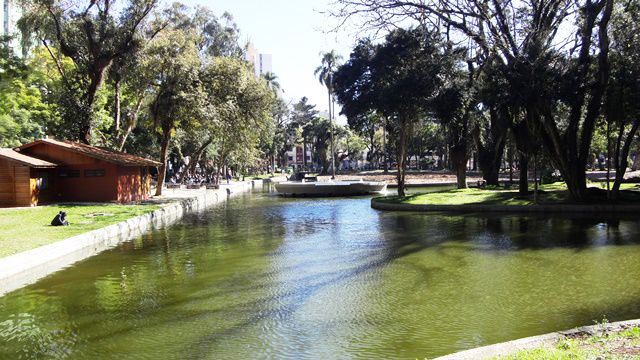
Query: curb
{"type": "Point", "coordinates": [473, 208]}
{"type": "Point", "coordinates": [29, 266]}
{"type": "Point", "coordinates": [534, 342]}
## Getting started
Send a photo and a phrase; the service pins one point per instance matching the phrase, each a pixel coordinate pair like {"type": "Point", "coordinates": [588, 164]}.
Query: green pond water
{"type": "Point", "coordinates": [270, 277]}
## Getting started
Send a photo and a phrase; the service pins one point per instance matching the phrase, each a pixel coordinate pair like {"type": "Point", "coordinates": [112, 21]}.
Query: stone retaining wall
{"type": "Point", "coordinates": [535, 342]}
{"type": "Point", "coordinates": [29, 266]}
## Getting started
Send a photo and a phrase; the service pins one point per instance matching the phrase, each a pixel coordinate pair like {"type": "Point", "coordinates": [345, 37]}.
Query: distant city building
{"type": "Point", "coordinates": [250, 54]}
{"type": "Point", "coordinates": [10, 13]}
{"type": "Point", "coordinates": [262, 63]}
{"type": "Point", "coordinates": [295, 157]}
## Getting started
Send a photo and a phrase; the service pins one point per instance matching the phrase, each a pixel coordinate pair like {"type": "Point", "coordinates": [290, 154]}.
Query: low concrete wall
{"type": "Point", "coordinates": [535, 342]}
{"type": "Point", "coordinates": [29, 266]}
{"type": "Point", "coordinates": [276, 179]}
{"type": "Point", "coordinates": [475, 208]}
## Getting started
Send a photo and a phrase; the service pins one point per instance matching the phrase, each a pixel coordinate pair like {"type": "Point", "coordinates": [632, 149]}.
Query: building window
{"type": "Point", "coordinates": [94, 173]}
{"type": "Point", "coordinates": [65, 173]}
{"type": "Point", "coordinates": [290, 158]}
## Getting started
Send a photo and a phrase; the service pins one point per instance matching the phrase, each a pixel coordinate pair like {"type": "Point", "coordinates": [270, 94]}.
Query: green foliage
{"type": "Point", "coordinates": [169, 83]}
{"type": "Point", "coordinates": [349, 144]}
{"type": "Point", "coordinates": [303, 115]}
{"type": "Point", "coordinates": [172, 62]}
{"type": "Point", "coordinates": [397, 79]}
{"type": "Point", "coordinates": [93, 35]}
{"type": "Point", "coordinates": [23, 111]}
{"type": "Point", "coordinates": [242, 107]}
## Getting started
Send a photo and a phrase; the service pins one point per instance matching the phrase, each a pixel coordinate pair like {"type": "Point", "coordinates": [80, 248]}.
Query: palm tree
{"type": "Point", "coordinates": [324, 72]}
{"type": "Point", "coordinates": [272, 81]}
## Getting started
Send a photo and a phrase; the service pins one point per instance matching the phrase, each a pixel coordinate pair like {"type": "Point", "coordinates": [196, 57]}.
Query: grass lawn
{"type": "Point", "coordinates": [624, 344]}
{"type": "Point", "coordinates": [548, 194]}
{"type": "Point", "coordinates": [27, 228]}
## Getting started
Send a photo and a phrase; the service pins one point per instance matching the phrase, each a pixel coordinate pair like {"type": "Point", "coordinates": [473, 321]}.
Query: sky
{"type": "Point", "coordinates": [294, 32]}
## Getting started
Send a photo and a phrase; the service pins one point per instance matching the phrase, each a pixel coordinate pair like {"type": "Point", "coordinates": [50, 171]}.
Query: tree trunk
{"type": "Point", "coordinates": [164, 151]}
{"type": "Point", "coordinates": [576, 180]}
{"type": "Point", "coordinates": [571, 151]}
{"type": "Point", "coordinates": [458, 156]}
{"type": "Point", "coordinates": [97, 77]}
{"type": "Point", "coordinates": [523, 182]}
{"type": "Point", "coordinates": [117, 112]}
{"type": "Point", "coordinates": [609, 156]}
{"type": "Point", "coordinates": [125, 136]}
{"type": "Point", "coordinates": [402, 159]}
{"type": "Point", "coordinates": [461, 172]}
{"type": "Point", "coordinates": [510, 163]}
{"type": "Point", "coordinates": [195, 159]}
{"type": "Point", "coordinates": [622, 156]}
{"type": "Point", "coordinates": [490, 159]}
{"type": "Point", "coordinates": [304, 154]}
{"type": "Point", "coordinates": [132, 120]}
{"type": "Point", "coordinates": [322, 154]}
{"type": "Point", "coordinates": [384, 147]}
{"type": "Point", "coordinates": [273, 163]}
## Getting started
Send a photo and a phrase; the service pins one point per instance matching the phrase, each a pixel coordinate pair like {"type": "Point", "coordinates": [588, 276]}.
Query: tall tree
{"type": "Point", "coordinates": [173, 59]}
{"type": "Point", "coordinates": [242, 106]}
{"type": "Point", "coordinates": [302, 114]}
{"type": "Point", "coordinates": [324, 72]}
{"type": "Point", "coordinates": [524, 36]}
{"type": "Point", "coordinates": [282, 138]}
{"type": "Point", "coordinates": [491, 130]}
{"type": "Point", "coordinates": [622, 105]}
{"type": "Point", "coordinates": [93, 35]}
{"type": "Point", "coordinates": [272, 81]}
{"type": "Point", "coordinates": [397, 79]}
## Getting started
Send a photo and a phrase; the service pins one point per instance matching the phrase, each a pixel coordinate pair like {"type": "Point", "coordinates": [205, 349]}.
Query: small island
{"type": "Point", "coordinates": [548, 198]}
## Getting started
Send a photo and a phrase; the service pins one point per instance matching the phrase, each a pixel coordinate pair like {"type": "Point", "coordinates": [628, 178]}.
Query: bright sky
{"type": "Point", "coordinates": [293, 32]}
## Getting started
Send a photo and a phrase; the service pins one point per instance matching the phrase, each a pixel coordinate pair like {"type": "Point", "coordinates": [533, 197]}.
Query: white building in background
{"type": "Point", "coordinates": [250, 54]}
{"type": "Point", "coordinates": [10, 13]}
{"type": "Point", "coordinates": [262, 63]}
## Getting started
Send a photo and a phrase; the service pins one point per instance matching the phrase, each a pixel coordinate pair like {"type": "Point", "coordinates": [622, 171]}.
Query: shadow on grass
{"type": "Point", "coordinates": [508, 197]}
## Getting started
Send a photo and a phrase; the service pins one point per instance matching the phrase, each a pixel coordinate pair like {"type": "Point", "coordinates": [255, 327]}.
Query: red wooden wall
{"type": "Point", "coordinates": [133, 183]}
{"type": "Point", "coordinates": [114, 183]}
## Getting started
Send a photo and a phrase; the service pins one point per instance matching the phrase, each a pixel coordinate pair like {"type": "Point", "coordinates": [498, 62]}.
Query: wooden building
{"type": "Point", "coordinates": [19, 178]}
{"type": "Point", "coordinates": [64, 171]}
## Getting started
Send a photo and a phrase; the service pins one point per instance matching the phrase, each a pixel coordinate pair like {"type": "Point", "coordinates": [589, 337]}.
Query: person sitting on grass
{"type": "Point", "coordinates": [60, 219]}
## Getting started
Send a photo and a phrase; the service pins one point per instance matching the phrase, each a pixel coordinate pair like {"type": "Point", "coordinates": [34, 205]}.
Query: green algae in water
{"type": "Point", "coordinates": [271, 277]}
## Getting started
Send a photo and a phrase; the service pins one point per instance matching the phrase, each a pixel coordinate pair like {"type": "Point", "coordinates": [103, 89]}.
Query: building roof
{"type": "Point", "coordinates": [14, 156]}
{"type": "Point", "coordinates": [115, 157]}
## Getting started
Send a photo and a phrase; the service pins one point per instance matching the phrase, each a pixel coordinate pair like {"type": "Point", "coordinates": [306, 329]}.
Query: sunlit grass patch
{"type": "Point", "coordinates": [555, 193]}
{"type": "Point", "coordinates": [623, 344]}
{"type": "Point", "coordinates": [27, 228]}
